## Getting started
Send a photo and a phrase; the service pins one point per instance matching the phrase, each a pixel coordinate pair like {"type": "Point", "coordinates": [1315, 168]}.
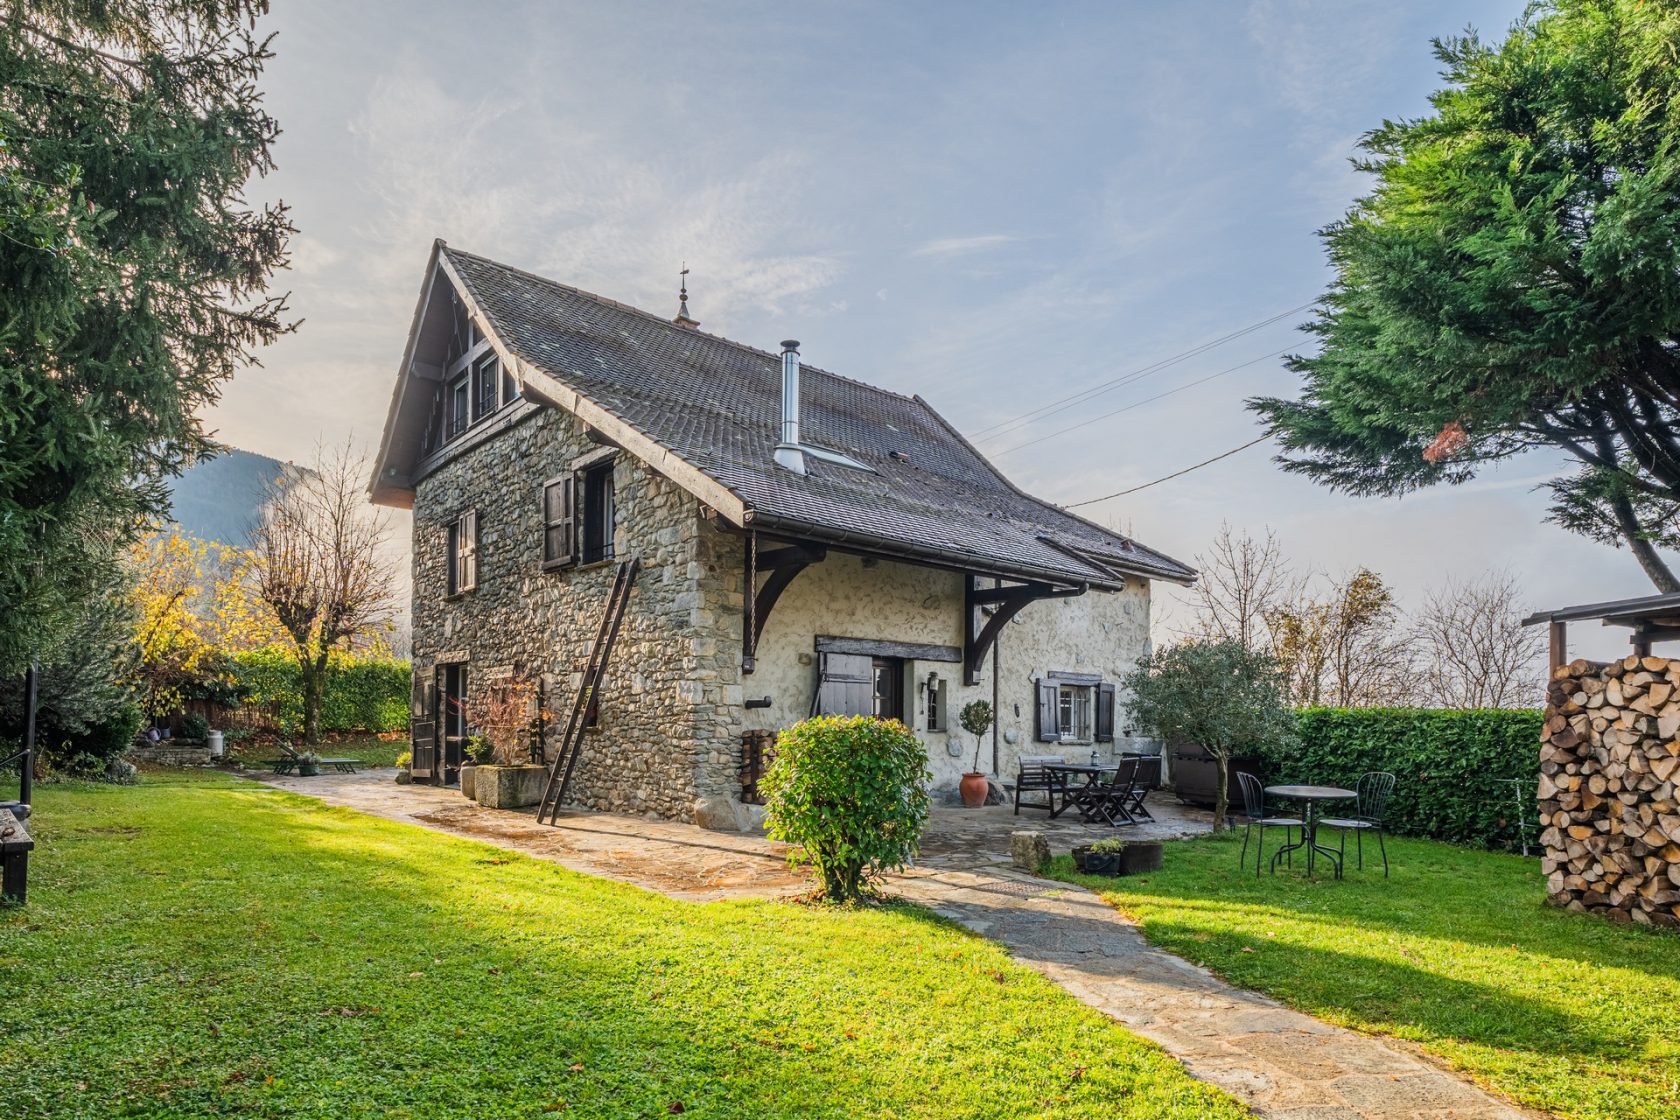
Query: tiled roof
{"type": "Point", "coordinates": [717, 405]}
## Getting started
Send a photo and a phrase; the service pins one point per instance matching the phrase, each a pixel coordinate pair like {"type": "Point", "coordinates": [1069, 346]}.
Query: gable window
{"type": "Point", "coordinates": [458, 406]}
{"type": "Point", "coordinates": [486, 380]}
{"type": "Point", "coordinates": [463, 553]}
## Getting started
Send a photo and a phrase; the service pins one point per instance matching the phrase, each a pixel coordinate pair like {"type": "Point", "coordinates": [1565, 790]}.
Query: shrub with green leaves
{"type": "Point", "coordinates": [363, 693]}
{"type": "Point", "coordinates": [851, 793]}
{"type": "Point", "coordinates": [1448, 766]}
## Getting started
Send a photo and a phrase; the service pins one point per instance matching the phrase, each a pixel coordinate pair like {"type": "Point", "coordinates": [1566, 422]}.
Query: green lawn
{"type": "Point", "coordinates": [1456, 951]}
{"type": "Point", "coordinates": [202, 946]}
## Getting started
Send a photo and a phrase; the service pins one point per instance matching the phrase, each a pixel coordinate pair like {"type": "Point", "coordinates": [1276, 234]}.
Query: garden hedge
{"type": "Point", "coordinates": [1448, 766]}
{"type": "Point", "coordinates": [363, 693]}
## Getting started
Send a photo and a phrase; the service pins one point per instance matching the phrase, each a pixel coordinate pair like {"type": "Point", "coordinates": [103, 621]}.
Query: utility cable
{"type": "Point", "coordinates": [1175, 474]}
{"type": "Point", "coordinates": [1144, 401]}
{"type": "Point", "coordinates": [1067, 402]}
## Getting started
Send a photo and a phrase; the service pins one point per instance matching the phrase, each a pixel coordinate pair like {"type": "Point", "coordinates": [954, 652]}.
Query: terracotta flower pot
{"type": "Point", "coordinates": [973, 788]}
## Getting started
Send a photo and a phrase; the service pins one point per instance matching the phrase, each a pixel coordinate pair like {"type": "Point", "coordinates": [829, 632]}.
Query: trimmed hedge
{"type": "Point", "coordinates": [1447, 766]}
{"type": "Point", "coordinates": [363, 693]}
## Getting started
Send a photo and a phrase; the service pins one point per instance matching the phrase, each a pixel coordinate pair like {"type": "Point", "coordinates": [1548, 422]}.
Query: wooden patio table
{"type": "Point", "coordinates": [1070, 795]}
{"type": "Point", "coordinates": [1310, 798]}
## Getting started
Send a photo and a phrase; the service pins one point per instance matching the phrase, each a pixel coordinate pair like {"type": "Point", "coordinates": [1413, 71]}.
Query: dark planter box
{"type": "Point", "coordinates": [1196, 776]}
{"type": "Point", "coordinates": [1138, 856]}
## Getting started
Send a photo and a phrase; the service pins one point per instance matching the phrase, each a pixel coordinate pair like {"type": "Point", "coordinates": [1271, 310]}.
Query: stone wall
{"type": "Point", "coordinates": [1609, 808]}
{"type": "Point", "coordinates": [669, 712]}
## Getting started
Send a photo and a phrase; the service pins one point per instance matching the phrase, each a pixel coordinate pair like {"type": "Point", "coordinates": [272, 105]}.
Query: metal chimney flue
{"type": "Point", "coordinates": [789, 454]}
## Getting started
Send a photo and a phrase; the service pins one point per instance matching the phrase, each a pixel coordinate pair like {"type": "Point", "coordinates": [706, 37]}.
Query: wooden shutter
{"type": "Point", "coordinates": [845, 685]}
{"type": "Point", "coordinates": [1105, 713]}
{"type": "Point", "coordinates": [452, 559]}
{"type": "Point", "coordinates": [559, 521]}
{"type": "Point", "coordinates": [469, 550]}
{"type": "Point", "coordinates": [422, 724]}
{"type": "Point", "coordinates": [1049, 722]}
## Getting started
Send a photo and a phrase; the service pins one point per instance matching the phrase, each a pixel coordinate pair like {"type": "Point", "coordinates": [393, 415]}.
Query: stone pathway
{"type": "Point", "coordinates": [1283, 1064]}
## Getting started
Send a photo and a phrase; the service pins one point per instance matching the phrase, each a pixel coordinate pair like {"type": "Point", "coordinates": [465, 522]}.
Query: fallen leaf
{"type": "Point", "coordinates": [576, 1067]}
{"type": "Point", "coordinates": [675, 1106]}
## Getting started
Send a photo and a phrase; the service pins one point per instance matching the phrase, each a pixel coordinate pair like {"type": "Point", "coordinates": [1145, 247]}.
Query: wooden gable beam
{"type": "Point", "coordinates": [979, 638]}
{"type": "Point", "coordinates": [784, 565]}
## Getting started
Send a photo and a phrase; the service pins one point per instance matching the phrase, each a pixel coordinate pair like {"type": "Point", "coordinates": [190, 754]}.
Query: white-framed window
{"type": "Point", "coordinates": [1073, 712]}
{"type": "Point", "coordinates": [463, 552]}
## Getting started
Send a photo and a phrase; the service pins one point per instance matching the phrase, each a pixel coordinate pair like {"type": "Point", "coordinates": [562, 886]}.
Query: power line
{"type": "Point", "coordinates": [1175, 474]}
{"type": "Point", "coordinates": [1067, 402]}
{"type": "Point", "coordinates": [1144, 401]}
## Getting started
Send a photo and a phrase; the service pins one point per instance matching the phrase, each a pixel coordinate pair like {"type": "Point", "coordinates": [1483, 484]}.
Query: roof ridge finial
{"type": "Point", "coordinates": [683, 318]}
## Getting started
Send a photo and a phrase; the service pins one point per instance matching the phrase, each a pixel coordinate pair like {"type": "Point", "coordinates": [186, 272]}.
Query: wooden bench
{"type": "Point", "coordinates": [15, 846]}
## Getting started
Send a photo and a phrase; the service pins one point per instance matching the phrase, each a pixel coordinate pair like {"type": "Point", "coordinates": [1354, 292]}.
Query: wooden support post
{"type": "Point", "coordinates": [1642, 640]}
{"type": "Point", "coordinates": [1559, 644]}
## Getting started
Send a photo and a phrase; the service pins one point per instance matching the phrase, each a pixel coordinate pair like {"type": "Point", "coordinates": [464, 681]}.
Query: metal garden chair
{"type": "Point", "coordinates": [1373, 790]}
{"type": "Point", "coordinates": [1254, 811]}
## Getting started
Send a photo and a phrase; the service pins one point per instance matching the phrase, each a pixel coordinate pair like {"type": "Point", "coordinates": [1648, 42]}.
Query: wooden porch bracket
{"type": "Point", "coordinates": [1009, 601]}
{"type": "Point", "coordinates": [783, 564]}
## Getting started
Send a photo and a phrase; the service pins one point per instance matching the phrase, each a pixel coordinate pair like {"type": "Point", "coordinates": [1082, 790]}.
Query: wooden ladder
{"type": "Point", "coordinates": [571, 744]}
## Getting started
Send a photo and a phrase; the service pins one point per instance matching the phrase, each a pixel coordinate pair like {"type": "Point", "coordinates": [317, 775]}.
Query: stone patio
{"type": "Point", "coordinates": [683, 861]}
{"type": "Point", "coordinates": [1283, 1064]}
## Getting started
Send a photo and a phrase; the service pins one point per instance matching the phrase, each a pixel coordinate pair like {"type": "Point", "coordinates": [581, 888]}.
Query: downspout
{"type": "Point", "coordinates": [997, 675]}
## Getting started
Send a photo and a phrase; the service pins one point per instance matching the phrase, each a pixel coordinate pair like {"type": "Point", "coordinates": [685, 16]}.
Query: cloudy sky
{"type": "Point", "coordinates": [994, 205]}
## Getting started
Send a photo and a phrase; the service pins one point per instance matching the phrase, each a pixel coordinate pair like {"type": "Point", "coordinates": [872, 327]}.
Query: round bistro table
{"type": "Point", "coordinates": [1310, 798]}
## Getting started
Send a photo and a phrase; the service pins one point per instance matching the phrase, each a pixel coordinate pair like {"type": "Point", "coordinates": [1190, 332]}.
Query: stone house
{"type": "Point", "coordinates": [807, 543]}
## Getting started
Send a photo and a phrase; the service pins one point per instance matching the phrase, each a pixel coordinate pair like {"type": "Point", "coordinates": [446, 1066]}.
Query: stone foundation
{"type": "Point", "coordinates": [1609, 767]}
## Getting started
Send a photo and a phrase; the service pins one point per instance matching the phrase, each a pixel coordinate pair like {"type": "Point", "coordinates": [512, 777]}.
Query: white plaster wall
{"type": "Point", "coordinates": [1101, 633]}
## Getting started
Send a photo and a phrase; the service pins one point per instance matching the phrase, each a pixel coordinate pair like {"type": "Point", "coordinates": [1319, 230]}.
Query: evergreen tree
{"type": "Point", "coordinates": [1512, 282]}
{"type": "Point", "coordinates": [133, 275]}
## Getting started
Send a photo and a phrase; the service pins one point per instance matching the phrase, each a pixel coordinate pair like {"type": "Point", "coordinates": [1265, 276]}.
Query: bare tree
{"type": "Point", "coordinates": [1351, 648]}
{"type": "Point", "coordinates": [1243, 580]}
{"type": "Point", "coordinates": [320, 566]}
{"type": "Point", "coordinates": [1476, 651]}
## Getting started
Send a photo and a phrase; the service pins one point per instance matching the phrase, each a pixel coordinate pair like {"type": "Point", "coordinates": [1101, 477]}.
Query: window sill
{"type": "Point", "coordinates": [461, 594]}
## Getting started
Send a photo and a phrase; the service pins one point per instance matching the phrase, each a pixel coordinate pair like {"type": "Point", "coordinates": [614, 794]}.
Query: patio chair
{"type": "Point", "coordinates": [1148, 777]}
{"type": "Point", "coordinates": [1256, 816]}
{"type": "Point", "coordinates": [1034, 778]}
{"type": "Point", "coordinates": [1372, 802]}
{"type": "Point", "coordinates": [1114, 800]}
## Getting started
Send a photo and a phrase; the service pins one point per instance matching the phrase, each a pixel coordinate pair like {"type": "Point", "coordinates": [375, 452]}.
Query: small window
{"type": "Point", "coordinates": [510, 387]}
{"type": "Point", "coordinates": [594, 505]}
{"type": "Point", "coordinates": [463, 553]}
{"type": "Point", "coordinates": [558, 544]}
{"type": "Point", "coordinates": [937, 720]}
{"type": "Point", "coordinates": [459, 406]}
{"type": "Point", "coordinates": [486, 379]}
{"type": "Point", "coordinates": [1073, 713]}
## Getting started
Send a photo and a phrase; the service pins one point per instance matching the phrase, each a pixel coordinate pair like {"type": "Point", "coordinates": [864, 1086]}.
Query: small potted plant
{"type": "Point", "coordinates": [1116, 856]}
{"type": "Point", "coordinates": [405, 772]}
{"type": "Point", "coordinates": [976, 719]}
{"type": "Point", "coordinates": [308, 764]}
{"type": "Point", "coordinates": [474, 752]}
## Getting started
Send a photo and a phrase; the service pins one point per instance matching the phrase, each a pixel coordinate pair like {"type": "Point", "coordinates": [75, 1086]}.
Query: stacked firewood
{"type": "Point", "coordinates": [1609, 804]}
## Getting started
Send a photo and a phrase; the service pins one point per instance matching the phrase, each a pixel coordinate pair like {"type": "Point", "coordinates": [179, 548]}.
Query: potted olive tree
{"type": "Point", "coordinates": [1220, 694]}
{"type": "Point", "coordinates": [976, 719]}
